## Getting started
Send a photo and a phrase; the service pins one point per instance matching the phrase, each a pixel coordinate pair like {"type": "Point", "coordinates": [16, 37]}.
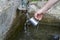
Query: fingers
{"type": "Point", "coordinates": [41, 16]}
{"type": "Point", "coordinates": [38, 16]}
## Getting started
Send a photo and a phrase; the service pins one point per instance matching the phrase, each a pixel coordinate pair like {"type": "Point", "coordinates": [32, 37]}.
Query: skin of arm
{"type": "Point", "coordinates": [39, 14]}
{"type": "Point", "coordinates": [48, 5]}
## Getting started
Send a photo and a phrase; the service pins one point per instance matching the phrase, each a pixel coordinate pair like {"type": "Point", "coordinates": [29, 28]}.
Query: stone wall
{"type": "Point", "coordinates": [7, 15]}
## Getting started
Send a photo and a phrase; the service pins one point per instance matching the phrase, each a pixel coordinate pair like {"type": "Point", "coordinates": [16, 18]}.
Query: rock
{"type": "Point", "coordinates": [7, 15]}
{"type": "Point", "coordinates": [11, 23]}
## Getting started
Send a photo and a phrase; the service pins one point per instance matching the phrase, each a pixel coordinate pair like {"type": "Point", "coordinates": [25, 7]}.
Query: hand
{"type": "Point", "coordinates": [38, 15]}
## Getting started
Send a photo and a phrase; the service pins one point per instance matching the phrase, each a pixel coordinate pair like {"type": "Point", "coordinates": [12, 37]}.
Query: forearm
{"type": "Point", "coordinates": [48, 5]}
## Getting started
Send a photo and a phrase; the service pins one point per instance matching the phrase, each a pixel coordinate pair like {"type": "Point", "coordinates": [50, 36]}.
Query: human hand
{"type": "Point", "coordinates": [38, 15]}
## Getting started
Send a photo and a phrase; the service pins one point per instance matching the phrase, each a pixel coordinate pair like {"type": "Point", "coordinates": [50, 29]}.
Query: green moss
{"type": "Point", "coordinates": [34, 0]}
